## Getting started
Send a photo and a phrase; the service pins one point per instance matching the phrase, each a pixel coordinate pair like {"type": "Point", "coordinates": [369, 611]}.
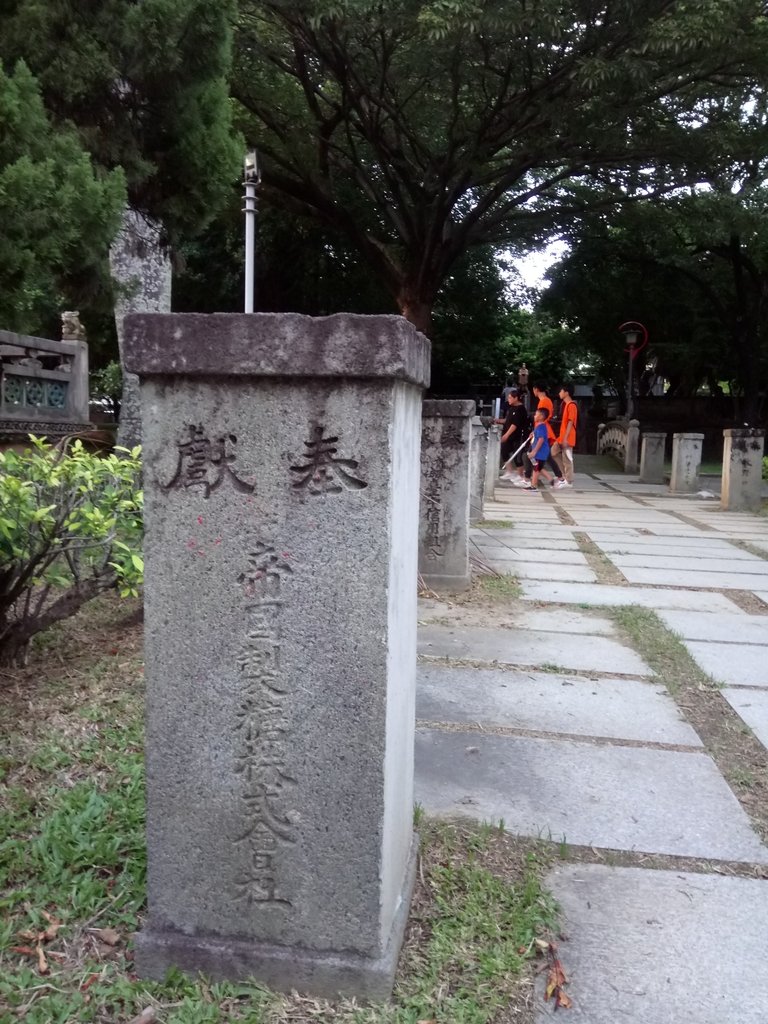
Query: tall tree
{"type": "Point", "coordinates": [694, 268]}
{"type": "Point", "coordinates": [54, 209]}
{"type": "Point", "coordinates": [423, 128]}
{"type": "Point", "coordinates": [146, 86]}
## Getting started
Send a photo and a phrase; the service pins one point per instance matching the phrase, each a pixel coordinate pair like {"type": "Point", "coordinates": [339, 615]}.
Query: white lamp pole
{"type": "Point", "coordinates": [252, 178]}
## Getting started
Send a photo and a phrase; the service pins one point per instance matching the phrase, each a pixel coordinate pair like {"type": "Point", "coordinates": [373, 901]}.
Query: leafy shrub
{"type": "Point", "coordinates": [107, 387]}
{"type": "Point", "coordinates": [765, 468]}
{"type": "Point", "coordinates": [70, 527]}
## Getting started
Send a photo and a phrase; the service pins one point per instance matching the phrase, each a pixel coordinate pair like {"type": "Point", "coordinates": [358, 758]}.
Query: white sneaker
{"type": "Point", "coordinates": [519, 481]}
{"type": "Point", "coordinates": [560, 484]}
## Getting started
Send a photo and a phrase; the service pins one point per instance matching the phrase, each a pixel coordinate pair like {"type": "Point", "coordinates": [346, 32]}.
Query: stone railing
{"type": "Point", "coordinates": [612, 439]}
{"type": "Point", "coordinates": [43, 386]}
{"type": "Point", "coordinates": [621, 440]}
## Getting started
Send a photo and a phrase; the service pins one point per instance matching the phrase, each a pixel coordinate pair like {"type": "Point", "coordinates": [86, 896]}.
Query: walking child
{"type": "Point", "coordinates": [539, 448]}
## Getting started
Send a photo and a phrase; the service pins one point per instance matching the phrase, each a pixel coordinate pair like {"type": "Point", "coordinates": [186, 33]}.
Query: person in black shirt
{"type": "Point", "coordinates": [517, 428]}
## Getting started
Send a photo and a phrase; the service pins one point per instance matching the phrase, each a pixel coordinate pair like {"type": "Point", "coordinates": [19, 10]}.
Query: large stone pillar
{"type": "Point", "coordinates": [652, 457]}
{"type": "Point", "coordinates": [282, 489]}
{"type": "Point", "coordinates": [686, 460]}
{"type": "Point", "coordinates": [445, 488]}
{"type": "Point", "coordinates": [478, 456]}
{"type": "Point", "coordinates": [492, 461]}
{"type": "Point", "coordinates": [632, 452]}
{"type": "Point", "coordinates": [742, 469]}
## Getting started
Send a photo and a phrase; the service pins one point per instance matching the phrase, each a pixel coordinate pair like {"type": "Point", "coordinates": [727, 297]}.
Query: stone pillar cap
{"type": "Point", "coordinates": [744, 432]}
{"type": "Point", "coordinates": [693, 437]}
{"type": "Point", "coordinates": [655, 433]}
{"type": "Point", "coordinates": [448, 407]}
{"type": "Point", "coordinates": [345, 345]}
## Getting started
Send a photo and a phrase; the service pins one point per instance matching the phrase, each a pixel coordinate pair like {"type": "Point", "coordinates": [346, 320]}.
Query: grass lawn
{"type": "Point", "coordinates": [72, 870]}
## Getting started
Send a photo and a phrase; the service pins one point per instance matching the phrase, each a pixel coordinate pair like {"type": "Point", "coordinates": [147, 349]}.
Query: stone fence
{"type": "Point", "coordinates": [43, 386]}
{"type": "Point", "coordinates": [621, 440]}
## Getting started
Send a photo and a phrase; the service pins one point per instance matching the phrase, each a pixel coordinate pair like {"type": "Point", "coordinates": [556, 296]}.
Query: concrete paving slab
{"type": "Point", "coordinates": [531, 647]}
{"type": "Point", "coordinates": [732, 664]}
{"type": "Point", "coordinates": [526, 552]}
{"type": "Point", "coordinates": [690, 578]}
{"type": "Point", "coordinates": [613, 708]}
{"type": "Point", "coordinates": [703, 549]}
{"type": "Point", "coordinates": [752, 707]}
{"type": "Point", "coordinates": [564, 620]}
{"type": "Point", "coordinates": [541, 570]}
{"type": "Point", "coordinates": [691, 561]}
{"type": "Point", "coordinates": [616, 797]}
{"type": "Point", "coordinates": [607, 596]}
{"type": "Point", "coordinates": [661, 947]}
{"type": "Point", "coordinates": [762, 594]}
{"type": "Point", "coordinates": [738, 629]}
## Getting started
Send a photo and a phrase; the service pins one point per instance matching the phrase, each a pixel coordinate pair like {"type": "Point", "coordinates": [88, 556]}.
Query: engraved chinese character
{"type": "Point", "coordinates": [323, 472]}
{"type": "Point", "coordinates": [265, 573]}
{"type": "Point", "coordinates": [206, 463]}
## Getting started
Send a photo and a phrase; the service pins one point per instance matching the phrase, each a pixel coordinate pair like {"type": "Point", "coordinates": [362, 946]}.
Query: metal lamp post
{"type": "Point", "coordinates": [636, 337]}
{"type": "Point", "coordinates": [252, 178]}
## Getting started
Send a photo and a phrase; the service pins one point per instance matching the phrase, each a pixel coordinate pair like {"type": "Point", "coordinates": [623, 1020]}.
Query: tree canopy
{"type": "Point", "coordinates": [693, 268]}
{"type": "Point", "coordinates": [56, 211]}
{"type": "Point", "coordinates": [422, 129]}
{"type": "Point", "coordinates": [145, 84]}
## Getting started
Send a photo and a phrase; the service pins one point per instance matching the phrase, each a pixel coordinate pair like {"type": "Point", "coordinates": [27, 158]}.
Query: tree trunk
{"type": "Point", "coordinates": [141, 266]}
{"type": "Point", "coordinates": [417, 309]}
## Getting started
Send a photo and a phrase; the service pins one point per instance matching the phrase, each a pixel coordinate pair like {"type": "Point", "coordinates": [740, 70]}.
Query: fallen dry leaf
{"type": "Point", "coordinates": [42, 962]}
{"type": "Point", "coordinates": [24, 950]}
{"type": "Point", "coordinates": [89, 981]}
{"type": "Point", "coordinates": [563, 1000]}
{"type": "Point", "coordinates": [556, 979]}
{"type": "Point", "coordinates": [147, 1016]}
{"type": "Point", "coordinates": [106, 935]}
{"type": "Point", "coordinates": [32, 936]}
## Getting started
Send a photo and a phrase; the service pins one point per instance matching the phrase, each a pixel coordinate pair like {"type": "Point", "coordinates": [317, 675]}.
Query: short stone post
{"type": "Point", "coordinates": [479, 456]}
{"type": "Point", "coordinates": [652, 457]}
{"type": "Point", "coordinates": [686, 460]}
{"type": "Point", "coordinates": [281, 468]}
{"type": "Point", "coordinates": [445, 488]}
{"type": "Point", "coordinates": [742, 469]}
{"type": "Point", "coordinates": [492, 461]}
{"type": "Point", "coordinates": [632, 452]}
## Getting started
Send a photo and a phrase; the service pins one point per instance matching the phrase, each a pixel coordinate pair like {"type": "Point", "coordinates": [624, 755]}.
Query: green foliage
{"type": "Point", "coordinates": [145, 84]}
{"type": "Point", "coordinates": [500, 133]}
{"type": "Point", "coordinates": [70, 527]}
{"type": "Point", "coordinates": [56, 211]}
{"type": "Point", "coordinates": [107, 386]}
{"type": "Point", "coordinates": [765, 468]}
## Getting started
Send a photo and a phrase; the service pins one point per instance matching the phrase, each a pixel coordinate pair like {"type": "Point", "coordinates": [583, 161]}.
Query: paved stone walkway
{"type": "Point", "coordinates": [549, 722]}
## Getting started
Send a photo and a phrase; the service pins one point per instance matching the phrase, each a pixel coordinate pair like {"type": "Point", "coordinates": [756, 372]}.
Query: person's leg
{"type": "Point", "coordinates": [554, 466]}
{"type": "Point", "coordinates": [567, 464]}
{"type": "Point", "coordinates": [556, 454]}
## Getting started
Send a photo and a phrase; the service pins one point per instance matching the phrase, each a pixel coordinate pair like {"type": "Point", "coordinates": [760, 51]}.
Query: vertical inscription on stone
{"type": "Point", "coordinates": [263, 730]}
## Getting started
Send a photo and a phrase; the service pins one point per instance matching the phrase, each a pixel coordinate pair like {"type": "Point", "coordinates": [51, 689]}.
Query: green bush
{"type": "Point", "coordinates": [765, 468]}
{"type": "Point", "coordinates": [70, 527]}
{"type": "Point", "coordinates": [107, 386]}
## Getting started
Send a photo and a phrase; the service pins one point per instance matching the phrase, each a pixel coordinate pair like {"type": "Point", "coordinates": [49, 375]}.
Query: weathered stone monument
{"type": "Point", "coordinates": [445, 489]}
{"type": "Point", "coordinates": [478, 457]}
{"type": "Point", "coordinates": [686, 460]}
{"type": "Point", "coordinates": [282, 491]}
{"type": "Point", "coordinates": [632, 453]}
{"type": "Point", "coordinates": [742, 469]}
{"type": "Point", "coordinates": [652, 457]}
{"type": "Point", "coordinates": [492, 461]}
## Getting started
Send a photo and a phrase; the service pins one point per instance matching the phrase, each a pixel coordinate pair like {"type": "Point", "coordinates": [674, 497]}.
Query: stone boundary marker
{"type": "Point", "coordinates": [742, 469]}
{"type": "Point", "coordinates": [652, 452]}
{"type": "Point", "coordinates": [281, 462]}
{"type": "Point", "coordinates": [686, 462]}
{"type": "Point", "coordinates": [446, 464]}
{"type": "Point", "coordinates": [479, 456]}
{"type": "Point", "coordinates": [492, 461]}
